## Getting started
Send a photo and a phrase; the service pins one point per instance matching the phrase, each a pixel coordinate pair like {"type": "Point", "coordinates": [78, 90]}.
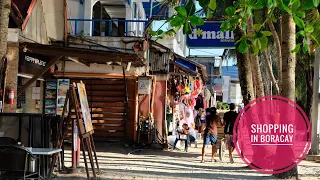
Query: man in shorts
{"type": "Point", "coordinates": [228, 120]}
{"type": "Point", "coordinates": [211, 133]}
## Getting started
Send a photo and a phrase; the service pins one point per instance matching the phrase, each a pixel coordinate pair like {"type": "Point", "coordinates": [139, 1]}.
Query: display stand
{"type": "Point", "coordinates": [85, 136]}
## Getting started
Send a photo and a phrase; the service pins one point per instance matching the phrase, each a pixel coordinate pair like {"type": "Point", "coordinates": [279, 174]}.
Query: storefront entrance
{"type": "Point", "coordinates": [112, 109]}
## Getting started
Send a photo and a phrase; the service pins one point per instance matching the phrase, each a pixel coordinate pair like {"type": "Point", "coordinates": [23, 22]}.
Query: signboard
{"type": "Point", "coordinates": [63, 86]}
{"type": "Point", "coordinates": [209, 35]}
{"type": "Point", "coordinates": [144, 86]}
{"type": "Point", "coordinates": [35, 61]}
{"type": "Point", "coordinates": [85, 107]}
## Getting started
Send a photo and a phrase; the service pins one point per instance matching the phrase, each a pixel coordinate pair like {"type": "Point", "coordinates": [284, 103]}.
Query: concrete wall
{"type": "Point", "coordinates": [11, 75]}
{"type": "Point", "coordinates": [36, 29]}
{"type": "Point", "coordinates": [118, 42]}
{"type": "Point", "coordinates": [159, 107]}
{"type": "Point", "coordinates": [30, 105]}
{"type": "Point", "coordinates": [98, 68]}
{"type": "Point", "coordinates": [75, 11]}
{"type": "Point", "coordinates": [54, 18]}
{"type": "Point", "coordinates": [235, 93]}
{"type": "Point", "coordinates": [176, 46]}
{"type": "Point", "coordinates": [225, 88]}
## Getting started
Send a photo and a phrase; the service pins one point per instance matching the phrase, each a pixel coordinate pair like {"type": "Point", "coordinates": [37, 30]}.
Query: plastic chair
{"type": "Point", "coordinates": [7, 141]}
{"type": "Point", "coordinates": [14, 162]}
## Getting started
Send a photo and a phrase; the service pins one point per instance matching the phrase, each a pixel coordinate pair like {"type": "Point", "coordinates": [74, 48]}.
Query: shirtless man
{"type": "Point", "coordinates": [211, 133]}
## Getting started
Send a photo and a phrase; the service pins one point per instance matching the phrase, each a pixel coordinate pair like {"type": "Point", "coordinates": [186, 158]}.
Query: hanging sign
{"type": "Point", "coordinates": [210, 35]}
{"type": "Point", "coordinates": [144, 86]}
{"type": "Point", "coordinates": [35, 61]}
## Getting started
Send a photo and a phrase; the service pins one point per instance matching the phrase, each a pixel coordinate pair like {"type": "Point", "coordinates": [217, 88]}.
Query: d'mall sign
{"type": "Point", "coordinates": [209, 35]}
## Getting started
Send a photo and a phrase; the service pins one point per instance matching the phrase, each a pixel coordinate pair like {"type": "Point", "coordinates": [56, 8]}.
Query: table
{"type": "Point", "coordinates": [43, 152]}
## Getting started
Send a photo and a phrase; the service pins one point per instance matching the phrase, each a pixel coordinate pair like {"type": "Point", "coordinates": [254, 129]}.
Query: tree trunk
{"type": "Point", "coordinates": [277, 43]}
{"type": "Point", "coordinates": [288, 74]}
{"type": "Point", "coordinates": [244, 71]}
{"type": "Point", "coordinates": [309, 81]}
{"type": "Point", "coordinates": [4, 21]}
{"type": "Point", "coordinates": [255, 65]}
{"type": "Point", "coordinates": [288, 58]}
{"type": "Point", "coordinates": [269, 69]}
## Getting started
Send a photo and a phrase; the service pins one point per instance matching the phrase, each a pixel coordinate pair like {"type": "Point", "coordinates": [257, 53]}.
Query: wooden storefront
{"type": "Point", "coordinates": [113, 119]}
{"type": "Point", "coordinates": [111, 100]}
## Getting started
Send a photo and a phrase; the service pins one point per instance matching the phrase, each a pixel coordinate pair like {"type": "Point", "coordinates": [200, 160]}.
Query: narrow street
{"type": "Point", "coordinates": [115, 163]}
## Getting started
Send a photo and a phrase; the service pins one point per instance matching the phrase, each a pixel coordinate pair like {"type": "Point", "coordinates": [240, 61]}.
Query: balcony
{"type": "Point", "coordinates": [107, 27]}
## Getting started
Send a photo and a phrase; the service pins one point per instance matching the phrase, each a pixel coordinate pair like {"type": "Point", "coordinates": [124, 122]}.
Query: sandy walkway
{"type": "Point", "coordinates": [115, 163]}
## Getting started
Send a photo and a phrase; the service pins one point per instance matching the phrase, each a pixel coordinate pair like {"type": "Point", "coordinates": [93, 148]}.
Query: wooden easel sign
{"type": "Point", "coordinates": [85, 127]}
{"type": "Point", "coordinates": [84, 124]}
{"type": "Point", "coordinates": [86, 116]}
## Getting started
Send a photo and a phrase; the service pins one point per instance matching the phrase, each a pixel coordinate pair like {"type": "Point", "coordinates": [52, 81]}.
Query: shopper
{"type": "Point", "coordinates": [211, 132]}
{"type": "Point", "coordinates": [200, 119]}
{"type": "Point", "coordinates": [184, 135]}
{"type": "Point", "coordinates": [229, 119]}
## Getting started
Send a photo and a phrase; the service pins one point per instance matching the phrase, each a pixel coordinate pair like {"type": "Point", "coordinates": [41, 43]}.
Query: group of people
{"type": "Point", "coordinates": [208, 125]}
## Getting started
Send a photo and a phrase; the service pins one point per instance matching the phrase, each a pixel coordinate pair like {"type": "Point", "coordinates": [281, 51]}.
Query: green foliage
{"type": "Point", "coordinates": [222, 105]}
{"type": "Point", "coordinates": [237, 15]}
{"type": "Point", "coordinates": [258, 41]}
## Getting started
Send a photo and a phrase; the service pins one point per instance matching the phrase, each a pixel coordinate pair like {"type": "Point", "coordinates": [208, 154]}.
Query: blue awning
{"type": "Point", "coordinates": [186, 64]}
{"type": "Point", "coordinates": [158, 10]}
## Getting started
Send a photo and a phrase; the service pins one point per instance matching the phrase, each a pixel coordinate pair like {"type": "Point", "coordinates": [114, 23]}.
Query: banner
{"type": "Point", "coordinates": [209, 35]}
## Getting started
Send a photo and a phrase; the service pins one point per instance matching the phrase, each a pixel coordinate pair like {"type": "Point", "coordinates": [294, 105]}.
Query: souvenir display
{"type": "Point", "coordinates": [185, 91]}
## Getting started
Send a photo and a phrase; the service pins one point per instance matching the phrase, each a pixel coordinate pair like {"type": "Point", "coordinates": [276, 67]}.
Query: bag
{"type": "Point", "coordinates": [171, 127]}
{"type": "Point", "coordinates": [182, 136]}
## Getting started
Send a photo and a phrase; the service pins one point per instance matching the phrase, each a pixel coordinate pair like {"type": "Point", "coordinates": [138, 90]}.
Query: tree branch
{"type": "Point", "coordinates": [268, 60]}
{"type": "Point", "coordinates": [278, 51]}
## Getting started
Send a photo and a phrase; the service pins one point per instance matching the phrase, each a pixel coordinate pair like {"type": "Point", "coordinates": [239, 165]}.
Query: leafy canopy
{"type": "Point", "coordinates": [236, 17]}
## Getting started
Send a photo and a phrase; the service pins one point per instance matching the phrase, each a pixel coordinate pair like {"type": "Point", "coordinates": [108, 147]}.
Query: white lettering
{"type": "Point", "coordinates": [35, 61]}
{"type": "Point", "coordinates": [253, 128]}
{"type": "Point", "coordinates": [220, 35]}
{"type": "Point", "coordinates": [254, 138]}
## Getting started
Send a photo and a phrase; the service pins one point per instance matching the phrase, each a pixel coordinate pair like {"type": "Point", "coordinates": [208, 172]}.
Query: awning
{"type": "Point", "coordinates": [183, 68]}
{"type": "Point", "coordinates": [192, 66]}
{"type": "Point", "coordinates": [85, 55]}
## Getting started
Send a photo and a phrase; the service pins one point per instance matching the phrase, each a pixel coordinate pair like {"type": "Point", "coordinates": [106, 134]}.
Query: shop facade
{"type": "Point", "coordinates": [178, 88]}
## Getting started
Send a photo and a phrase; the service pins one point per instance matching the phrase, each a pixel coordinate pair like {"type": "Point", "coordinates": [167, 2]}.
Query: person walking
{"type": "Point", "coordinates": [200, 119]}
{"type": "Point", "coordinates": [229, 119]}
{"type": "Point", "coordinates": [211, 133]}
